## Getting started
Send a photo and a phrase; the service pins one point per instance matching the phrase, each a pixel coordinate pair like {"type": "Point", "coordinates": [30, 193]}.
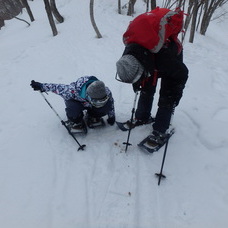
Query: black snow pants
{"type": "Point", "coordinates": [174, 75]}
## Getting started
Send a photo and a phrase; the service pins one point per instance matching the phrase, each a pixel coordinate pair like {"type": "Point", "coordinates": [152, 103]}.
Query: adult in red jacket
{"type": "Point", "coordinates": [153, 51]}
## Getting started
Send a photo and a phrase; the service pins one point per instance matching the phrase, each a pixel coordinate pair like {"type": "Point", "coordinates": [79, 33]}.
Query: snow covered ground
{"type": "Point", "coordinates": [46, 183]}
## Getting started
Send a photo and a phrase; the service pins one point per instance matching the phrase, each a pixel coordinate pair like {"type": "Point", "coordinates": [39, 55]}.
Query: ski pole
{"type": "Point", "coordinates": [132, 116]}
{"type": "Point", "coordinates": [161, 175]}
{"type": "Point", "coordinates": [81, 147]}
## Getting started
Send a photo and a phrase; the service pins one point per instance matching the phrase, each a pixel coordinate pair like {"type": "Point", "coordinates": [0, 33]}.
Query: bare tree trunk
{"type": "Point", "coordinates": [188, 18]}
{"type": "Point", "coordinates": [168, 3]}
{"type": "Point", "coordinates": [2, 23]}
{"type": "Point", "coordinates": [204, 19]}
{"type": "Point", "coordinates": [209, 9]}
{"type": "Point", "coordinates": [171, 3]}
{"type": "Point", "coordinates": [194, 19]}
{"type": "Point", "coordinates": [55, 12]}
{"type": "Point", "coordinates": [153, 4]}
{"type": "Point", "coordinates": [50, 17]}
{"type": "Point", "coordinates": [180, 3]}
{"type": "Point", "coordinates": [199, 17]}
{"type": "Point", "coordinates": [92, 19]}
{"type": "Point", "coordinates": [165, 4]}
{"type": "Point", "coordinates": [26, 5]}
{"type": "Point", "coordinates": [147, 5]}
{"type": "Point", "coordinates": [119, 6]}
{"type": "Point", "coordinates": [131, 5]}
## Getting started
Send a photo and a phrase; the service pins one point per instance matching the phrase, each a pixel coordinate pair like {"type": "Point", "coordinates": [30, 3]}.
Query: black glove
{"type": "Point", "coordinates": [37, 86]}
{"type": "Point", "coordinates": [111, 120]}
{"type": "Point", "coordinates": [136, 87]}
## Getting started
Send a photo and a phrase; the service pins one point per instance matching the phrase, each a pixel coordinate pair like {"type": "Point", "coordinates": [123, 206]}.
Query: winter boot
{"type": "Point", "coordinates": [93, 122]}
{"type": "Point", "coordinates": [157, 139]}
{"type": "Point", "coordinates": [137, 122]}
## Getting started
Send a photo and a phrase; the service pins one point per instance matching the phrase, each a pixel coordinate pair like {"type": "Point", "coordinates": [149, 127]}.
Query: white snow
{"type": "Point", "coordinates": [46, 183]}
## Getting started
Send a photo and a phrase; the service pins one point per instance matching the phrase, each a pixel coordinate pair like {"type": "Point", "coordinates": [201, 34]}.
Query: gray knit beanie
{"type": "Point", "coordinates": [96, 90]}
{"type": "Point", "coordinates": [129, 69]}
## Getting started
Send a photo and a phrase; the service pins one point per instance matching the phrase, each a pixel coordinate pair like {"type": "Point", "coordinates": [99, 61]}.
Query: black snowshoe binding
{"type": "Point", "coordinates": [93, 122]}
{"type": "Point", "coordinates": [76, 128]}
{"type": "Point", "coordinates": [155, 141]}
{"type": "Point", "coordinates": [125, 126]}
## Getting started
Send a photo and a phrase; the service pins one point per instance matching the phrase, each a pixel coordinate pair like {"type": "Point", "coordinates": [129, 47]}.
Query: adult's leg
{"type": "Point", "coordinates": [172, 85]}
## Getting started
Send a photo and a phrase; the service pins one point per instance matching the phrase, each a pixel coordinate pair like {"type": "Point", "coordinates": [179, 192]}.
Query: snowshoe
{"type": "Point", "coordinates": [125, 126]}
{"type": "Point", "coordinates": [93, 122]}
{"type": "Point", "coordinates": [155, 141]}
{"type": "Point", "coordinates": [76, 128]}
